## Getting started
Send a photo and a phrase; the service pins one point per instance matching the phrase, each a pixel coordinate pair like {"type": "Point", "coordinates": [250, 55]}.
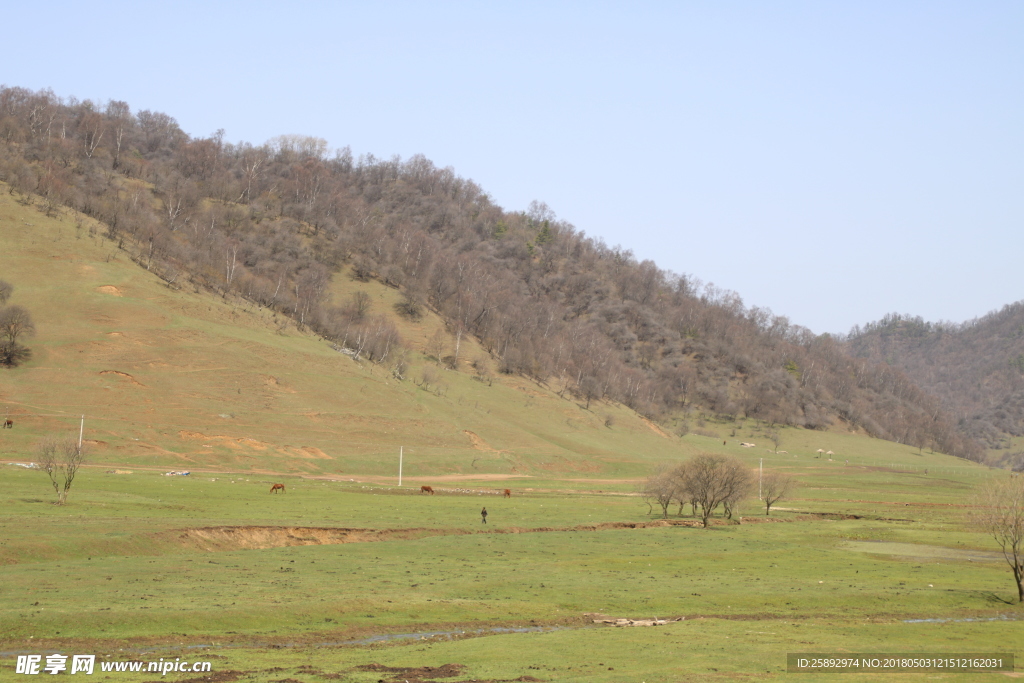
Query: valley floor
{"type": "Point", "coordinates": [362, 581]}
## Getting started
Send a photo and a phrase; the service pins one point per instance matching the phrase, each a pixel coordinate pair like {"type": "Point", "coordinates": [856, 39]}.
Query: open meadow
{"type": "Point", "coordinates": [309, 585]}
{"type": "Point", "coordinates": [348, 577]}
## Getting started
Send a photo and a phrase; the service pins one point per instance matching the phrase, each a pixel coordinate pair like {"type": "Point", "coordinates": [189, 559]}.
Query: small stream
{"type": "Point", "coordinates": [372, 640]}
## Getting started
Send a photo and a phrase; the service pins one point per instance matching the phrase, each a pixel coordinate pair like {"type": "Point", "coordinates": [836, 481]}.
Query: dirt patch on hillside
{"type": "Point", "coordinates": [110, 289]}
{"type": "Point", "coordinates": [654, 428]}
{"type": "Point", "coordinates": [479, 443]}
{"type": "Point", "coordinates": [238, 443]}
{"type": "Point", "coordinates": [235, 442]}
{"type": "Point", "coordinates": [262, 537]}
{"type": "Point", "coordinates": [122, 374]}
{"type": "Point", "coordinates": [275, 383]}
{"type": "Point", "coordinates": [310, 452]}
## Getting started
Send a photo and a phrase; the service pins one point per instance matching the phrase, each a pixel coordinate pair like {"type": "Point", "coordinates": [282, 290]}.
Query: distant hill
{"type": "Point", "coordinates": [975, 368]}
{"type": "Point", "coordinates": [519, 293]}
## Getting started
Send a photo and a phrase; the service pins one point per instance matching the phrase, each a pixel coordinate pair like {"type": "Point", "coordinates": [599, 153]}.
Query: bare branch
{"type": "Point", "coordinates": [999, 512]}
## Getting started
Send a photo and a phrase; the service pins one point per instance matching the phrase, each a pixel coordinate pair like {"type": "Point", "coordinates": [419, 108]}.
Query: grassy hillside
{"type": "Point", "coordinates": [181, 378]}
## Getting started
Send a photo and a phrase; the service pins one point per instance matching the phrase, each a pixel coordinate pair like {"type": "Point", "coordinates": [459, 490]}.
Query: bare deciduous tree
{"type": "Point", "coordinates": [774, 487]}
{"type": "Point", "coordinates": [713, 480]}
{"type": "Point", "coordinates": [6, 289]}
{"type": "Point", "coordinates": [15, 324]}
{"type": "Point", "coordinates": [60, 457]}
{"type": "Point", "coordinates": [437, 343]}
{"type": "Point", "coordinates": [428, 378]}
{"type": "Point", "coordinates": [359, 306]}
{"type": "Point", "coordinates": [775, 438]}
{"type": "Point", "coordinates": [1000, 512]}
{"type": "Point", "coordinates": [662, 488]}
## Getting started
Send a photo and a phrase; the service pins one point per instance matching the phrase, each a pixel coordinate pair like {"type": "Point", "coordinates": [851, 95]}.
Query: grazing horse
{"type": "Point", "coordinates": [508, 493]}
{"type": "Point", "coordinates": [427, 489]}
{"type": "Point", "coordinates": [277, 487]}
{"type": "Point", "coordinates": [8, 424]}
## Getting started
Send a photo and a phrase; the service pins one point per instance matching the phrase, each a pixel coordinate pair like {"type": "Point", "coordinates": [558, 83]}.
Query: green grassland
{"type": "Point", "coordinates": [873, 553]}
{"type": "Point", "coordinates": [118, 572]}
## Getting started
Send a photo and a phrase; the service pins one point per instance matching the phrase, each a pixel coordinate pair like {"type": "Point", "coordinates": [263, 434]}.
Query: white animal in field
{"type": "Point", "coordinates": [748, 445]}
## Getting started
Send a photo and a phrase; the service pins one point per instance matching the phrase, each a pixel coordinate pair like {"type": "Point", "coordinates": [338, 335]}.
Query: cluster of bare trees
{"type": "Point", "coordinates": [273, 223]}
{"type": "Point", "coordinates": [15, 326]}
{"type": "Point", "coordinates": [708, 481]}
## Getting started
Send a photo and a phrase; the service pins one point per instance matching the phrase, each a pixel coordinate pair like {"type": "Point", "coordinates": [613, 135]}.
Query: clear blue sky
{"type": "Point", "coordinates": [833, 161]}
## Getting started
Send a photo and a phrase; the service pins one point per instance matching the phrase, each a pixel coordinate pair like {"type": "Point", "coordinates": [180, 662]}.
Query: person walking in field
{"type": "Point", "coordinates": [483, 516]}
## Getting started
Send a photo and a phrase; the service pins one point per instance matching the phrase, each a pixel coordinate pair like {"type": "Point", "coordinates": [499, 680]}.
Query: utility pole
{"type": "Point", "coordinates": [81, 430]}
{"type": "Point", "coordinates": [400, 453]}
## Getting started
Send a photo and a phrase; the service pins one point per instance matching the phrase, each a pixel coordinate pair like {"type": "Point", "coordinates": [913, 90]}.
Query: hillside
{"type": "Point", "coordinates": [276, 228]}
{"type": "Point", "coordinates": [976, 368]}
{"type": "Point", "coordinates": [187, 379]}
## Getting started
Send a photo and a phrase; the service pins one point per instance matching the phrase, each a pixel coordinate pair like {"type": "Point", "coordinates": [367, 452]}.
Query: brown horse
{"type": "Point", "coordinates": [8, 424]}
{"type": "Point", "coordinates": [508, 493]}
{"type": "Point", "coordinates": [277, 487]}
{"type": "Point", "coordinates": [427, 489]}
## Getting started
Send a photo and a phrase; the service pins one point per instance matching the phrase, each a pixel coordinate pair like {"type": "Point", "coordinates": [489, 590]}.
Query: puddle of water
{"type": "Point", "coordinates": [392, 637]}
{"type": "Point", "coordinates": [921, 551]}
{"type": "Point", "coordinates": [1001, 617]}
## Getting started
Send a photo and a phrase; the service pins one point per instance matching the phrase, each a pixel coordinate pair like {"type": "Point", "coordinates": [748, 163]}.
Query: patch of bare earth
{"type": "Point", "coordinates": [429, 674]}
{"type": "Point", "coordinates": [654, 428]}
{"type": "Point", "coordinates": [222, 538]}
{"type": "Point", "coordinates": [479, 444]}
{"type": "Point", "coordinates": [122, 374]}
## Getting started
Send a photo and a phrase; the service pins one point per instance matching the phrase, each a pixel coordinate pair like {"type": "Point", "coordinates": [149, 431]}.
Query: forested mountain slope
{"type": "Point", "coordinates": [277, 224]}
{"type": "Point", "coordinates": [976, 368]}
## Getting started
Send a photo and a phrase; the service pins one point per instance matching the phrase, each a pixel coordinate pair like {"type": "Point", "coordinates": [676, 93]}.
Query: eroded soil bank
{"type": "Point", "coordinates": [260, 537]}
